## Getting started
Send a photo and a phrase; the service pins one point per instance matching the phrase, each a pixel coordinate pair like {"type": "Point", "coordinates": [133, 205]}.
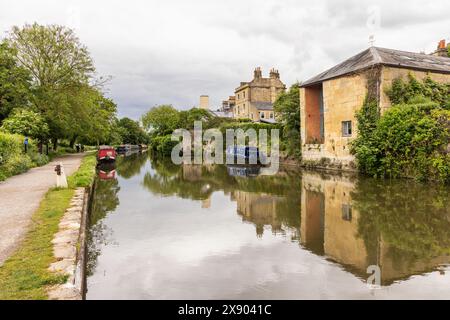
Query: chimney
{"type": "Point", "coordinates": [442, 50]}
{"type": "Point", "coordinates": [204, 102]}
{"type": "Point", "coordinates": [274, 74]}
{"type": "Point", "coordinates": [257, 74]}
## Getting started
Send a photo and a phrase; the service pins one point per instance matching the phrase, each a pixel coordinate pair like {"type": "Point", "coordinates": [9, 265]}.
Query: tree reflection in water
{"type": "Point", "coordinates": [414, 225]}
{"type": "Point", "coordinates": [262, 200]}
{"type": "Point", "coordinates": [131, 165]}
{"type": "Point", "coordinates": [105, 201]}
{"type": "Point", "coordinates": [401, 226]}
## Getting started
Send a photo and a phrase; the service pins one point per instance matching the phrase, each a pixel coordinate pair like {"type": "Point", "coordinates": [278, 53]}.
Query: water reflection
{"type": "Point", "coordinates": [333, 223]}
{"type": "Point", "coordinates": [130, 164]}
{"type": "Point", "coordinates": [105, 201]}
{"type": "Point", "coordinates": [358, 223]}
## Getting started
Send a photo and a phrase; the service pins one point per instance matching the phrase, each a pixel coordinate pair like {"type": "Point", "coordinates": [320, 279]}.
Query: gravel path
{"type": "Point", "coordinates": [20, 197]}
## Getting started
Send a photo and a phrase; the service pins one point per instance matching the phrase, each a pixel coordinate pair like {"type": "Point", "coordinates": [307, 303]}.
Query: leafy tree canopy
{"type": "Point", "coordinates": [14, 82]}
{"type": "Point", "coordinates": [27, 123]}
{"type": "Point", "coordinates": [131, 132]}
{"type": "Point", "coordinates": [162, 119]}
{"type": "Point", "coordinates": [287, 109]}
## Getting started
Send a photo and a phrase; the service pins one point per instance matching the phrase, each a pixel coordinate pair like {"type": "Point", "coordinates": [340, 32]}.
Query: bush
{"type": "Point", "coordinates": [39, 159]}
{"type": "Point", "coordinates": [13, 160]}
{"type": "Point", "coordinates": [163, 145]}
{"type": "Point", "coordinates": [408, 140]}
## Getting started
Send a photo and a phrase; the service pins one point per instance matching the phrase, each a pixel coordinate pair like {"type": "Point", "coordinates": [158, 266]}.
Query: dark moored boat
{"type": "Point", "coordinates": [248, 155]}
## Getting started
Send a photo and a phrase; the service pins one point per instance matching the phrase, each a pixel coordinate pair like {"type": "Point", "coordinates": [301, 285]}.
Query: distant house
{"type": "Point", "coordinates": [328, 101]}
{"type": "Point", "coordinates": [228, 105]}
{"type": "Point", "coordinates": [254, 99]}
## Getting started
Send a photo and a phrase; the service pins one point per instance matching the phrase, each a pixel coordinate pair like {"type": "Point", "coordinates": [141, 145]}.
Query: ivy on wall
{"type": "Point", "coordinates": [411, 138]}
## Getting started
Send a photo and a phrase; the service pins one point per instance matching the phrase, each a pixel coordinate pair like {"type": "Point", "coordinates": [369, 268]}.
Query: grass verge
{"type": "Point", "coordinates": [24, 276]}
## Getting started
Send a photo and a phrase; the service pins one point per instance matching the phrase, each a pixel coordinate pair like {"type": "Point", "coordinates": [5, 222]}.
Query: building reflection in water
{"type": "Point", "coordinates": [333, 224]}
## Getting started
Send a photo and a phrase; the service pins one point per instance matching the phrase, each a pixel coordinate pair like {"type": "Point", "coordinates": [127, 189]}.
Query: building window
{"type": "Point", "coordinates": [244, 94]}
{"type": "Point", "coordinates": [271, 115]}
{"type": "Point", "coordinates": [347, 212]}
{"type": "Point", "coordinates": [262, 115]}
{"type": "Point", "coordinates": [238, 96]}
{"type": "Point", "coordinates": [251, 115]}
{"type": "Point", "coordinates": [346, 128]}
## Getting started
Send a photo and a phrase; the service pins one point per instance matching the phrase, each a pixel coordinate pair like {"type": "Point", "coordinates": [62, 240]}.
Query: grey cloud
{"type": "Point", "coordinates": [174, 51]}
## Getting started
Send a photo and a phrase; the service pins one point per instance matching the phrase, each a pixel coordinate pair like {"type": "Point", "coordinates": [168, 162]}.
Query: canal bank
{"type": "Point", "coordinates": [25, 274]}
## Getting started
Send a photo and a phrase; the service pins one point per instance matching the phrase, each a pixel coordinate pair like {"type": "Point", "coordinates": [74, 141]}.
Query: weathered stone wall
{"type": "Point", "coordinates": [342, 97]}
{"type": "Point", "coordinates": [242, 108]}
{"type": "Point", "coordinates": [68, 249]}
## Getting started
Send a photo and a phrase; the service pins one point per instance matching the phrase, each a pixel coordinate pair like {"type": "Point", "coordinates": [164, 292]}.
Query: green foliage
{"type": "Point", "coordinates": [163, 145]}
{"type": "Point", "coordinates": [188, 118]}
{"type": "Point", "coordinates": [131, 132]}
{"type": "Point", "coordinates": [85, 174]}
{"type": "Point", "coordinates": [64, 90]}
{"type": "Point", "coordinates": [162, 119]}
{"type": "Point", "coordinates": [14, 82]}
{"type": "Point", "coordinates": [13, 160]}
{"type": "Point", "coordinates": [404, 92]}
{"type": "Point", "coordinates": [27, 123]}
{"type": "Point", "coordinates": [411, 138]}
{"type": "Point", "coordinates": [287, 109]}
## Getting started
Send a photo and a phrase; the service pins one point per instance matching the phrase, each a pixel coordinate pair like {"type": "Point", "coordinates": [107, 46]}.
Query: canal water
{"type": "Point", "coordinates": [161, 231]}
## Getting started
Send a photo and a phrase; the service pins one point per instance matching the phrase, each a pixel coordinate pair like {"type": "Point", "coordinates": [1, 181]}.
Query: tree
{"type": "Point", "coordinates": [162, 119]}
{"type": "Point", "coordinates": [99, 116]}
{"type": "Point", "coordinates": [131, 132]}
{"type": "Point", "coordinates": [187, 118]}
{"type": "Point", "coordinates": [27, 123]}
{"type": "Point", "coordinates": [287, 109]}
{"type": "Point", "coordinates": [14, 82]}
{"type": "Point", "coordinates": [61, 68]}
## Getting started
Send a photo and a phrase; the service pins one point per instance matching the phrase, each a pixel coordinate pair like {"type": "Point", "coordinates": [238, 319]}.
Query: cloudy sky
{"type": "Point", "coordinates": [171, 52]}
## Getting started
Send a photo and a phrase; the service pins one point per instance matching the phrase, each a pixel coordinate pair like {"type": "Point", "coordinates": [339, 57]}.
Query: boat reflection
{"type": "Point", "coordinates": [107, 171]}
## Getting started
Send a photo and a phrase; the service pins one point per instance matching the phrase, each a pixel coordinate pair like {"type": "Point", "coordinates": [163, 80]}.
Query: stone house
{"type": "Point", "coordinates": [329, 101]}
{"type": "Point", "coordinates": [228, 105]}
{"type": "Point", "coordinates": [254, 99]}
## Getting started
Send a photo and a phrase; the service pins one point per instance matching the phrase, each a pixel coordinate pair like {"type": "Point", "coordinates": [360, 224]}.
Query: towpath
{"type": "Point", "coordinates": [20, 197]}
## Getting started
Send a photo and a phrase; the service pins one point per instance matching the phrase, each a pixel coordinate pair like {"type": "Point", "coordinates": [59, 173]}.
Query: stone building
{"type": "Point", "coordinates": [329, 101]}
{"type": "Point", "coordinates": [254, 99]}
{"type": "Point", "coordinates": [228, 105]}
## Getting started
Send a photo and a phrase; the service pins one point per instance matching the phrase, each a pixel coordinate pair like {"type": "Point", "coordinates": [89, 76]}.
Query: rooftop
{"type": "Point", "coordinates": [382, 56]}
{"type": "Point", "coordinates": [263, 105]}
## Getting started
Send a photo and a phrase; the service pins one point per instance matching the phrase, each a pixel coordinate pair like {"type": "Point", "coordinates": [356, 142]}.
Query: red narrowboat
{"type": "Point", "coordinates": [106, 154]}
